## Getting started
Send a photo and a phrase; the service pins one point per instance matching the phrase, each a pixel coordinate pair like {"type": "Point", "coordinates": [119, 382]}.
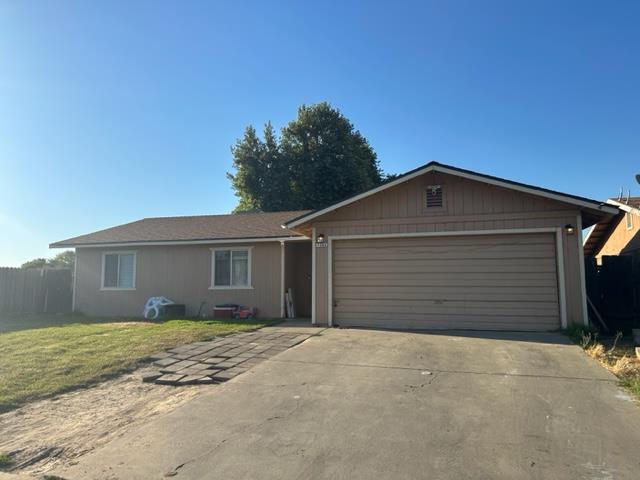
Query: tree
{"type": "Point", "coordinates": [320, 159]}
{"type": "Point", "coordinates": [35, 263]}
{"type": "Point", "coordinates": [64, 259]}
{"type": "Point", "coordinates": [261, 180]}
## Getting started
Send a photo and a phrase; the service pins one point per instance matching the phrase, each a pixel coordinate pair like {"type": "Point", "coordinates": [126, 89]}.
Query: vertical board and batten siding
{"type": "Point", "coordinates": [180, 273]}
{"type": "Point", "coordinates": [468, 206]}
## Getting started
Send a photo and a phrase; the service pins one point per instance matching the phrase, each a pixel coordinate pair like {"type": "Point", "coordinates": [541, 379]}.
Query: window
{"type": "Point", "coordinates": [434, 196]}
{"type": "Point", "coordinates": [629, 219]}
{"type": "Point", "coordinates": [231, 268]}
{"type": "Point", "coordinates": [119, 271]}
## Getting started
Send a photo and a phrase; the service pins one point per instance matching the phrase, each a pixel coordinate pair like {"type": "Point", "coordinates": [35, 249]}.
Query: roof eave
{"type": "Point", "coordinates": [597, 207]}
{"type": "Point", "coordinates": [148, 243]}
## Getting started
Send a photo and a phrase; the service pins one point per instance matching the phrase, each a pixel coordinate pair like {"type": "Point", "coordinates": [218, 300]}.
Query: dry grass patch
{"type": "Point", "coordinates": [620, 359]}
{"type": "Point", "coordinates": [6, 461]}
{"type": "Point", "coordinates": [44, 361]}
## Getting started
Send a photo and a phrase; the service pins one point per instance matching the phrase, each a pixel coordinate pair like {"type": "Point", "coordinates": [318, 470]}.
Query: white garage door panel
{"type": "Point", "coordinates": [506, 282]}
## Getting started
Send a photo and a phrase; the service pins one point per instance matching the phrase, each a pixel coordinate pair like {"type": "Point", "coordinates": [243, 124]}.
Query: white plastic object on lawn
{"type": "Point", "coordinates": [152, 307]}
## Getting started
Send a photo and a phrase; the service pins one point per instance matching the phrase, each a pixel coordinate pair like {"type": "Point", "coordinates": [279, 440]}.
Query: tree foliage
{"type": "Point", "coordinates": [64, 259]}
{"type": "Point", "coordinates": [318, 160]}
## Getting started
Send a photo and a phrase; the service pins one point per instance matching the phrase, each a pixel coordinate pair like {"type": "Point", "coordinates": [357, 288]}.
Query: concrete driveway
{"type": "Point", "coordinates": [358, 404]}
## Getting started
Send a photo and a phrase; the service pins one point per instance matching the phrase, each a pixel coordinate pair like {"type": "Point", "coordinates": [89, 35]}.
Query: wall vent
{"type": "Point", "coordinates": [434, 196]}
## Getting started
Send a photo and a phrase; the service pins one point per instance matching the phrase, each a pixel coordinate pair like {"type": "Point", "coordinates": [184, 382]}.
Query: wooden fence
{"type": "Point", "coordinates": [35, 290]}
{"type": "Point", "coordinates": [614, 289]}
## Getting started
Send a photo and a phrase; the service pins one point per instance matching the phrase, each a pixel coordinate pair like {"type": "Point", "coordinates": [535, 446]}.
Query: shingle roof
{"type": "Point", "coordinates": [196, 228]}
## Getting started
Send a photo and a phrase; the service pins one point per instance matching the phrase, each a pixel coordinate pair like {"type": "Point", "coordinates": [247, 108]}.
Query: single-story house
{"type": "Point", "coordinates": [617, 235]}
{"type": "Point", "coordinates": [438, 247]}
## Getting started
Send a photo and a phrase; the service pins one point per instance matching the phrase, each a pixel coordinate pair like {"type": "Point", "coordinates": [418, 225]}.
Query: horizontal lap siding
{"type": "Point", "coordinates": [438, 282]}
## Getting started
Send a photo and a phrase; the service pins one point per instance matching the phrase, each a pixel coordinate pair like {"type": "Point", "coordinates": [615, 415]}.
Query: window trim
{"type": "Point", "coordinates": [119, 252]}
{"type": "Point", "coordinates": [629, 220]}
{"type": "Point", "coordinates": [248, 286]}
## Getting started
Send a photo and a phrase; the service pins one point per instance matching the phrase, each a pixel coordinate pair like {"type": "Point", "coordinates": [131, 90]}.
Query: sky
{"type": "Point", "coordinates": [113, 111]}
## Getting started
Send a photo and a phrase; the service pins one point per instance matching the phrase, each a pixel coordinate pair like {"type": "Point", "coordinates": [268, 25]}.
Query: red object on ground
{"type": "Point", "coordinates": [223, 312]}
{"type": "Point", "coordinates": [244, 313]}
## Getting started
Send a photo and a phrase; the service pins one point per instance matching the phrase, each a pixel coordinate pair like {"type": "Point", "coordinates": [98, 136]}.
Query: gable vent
{"type": "Point", "coordinates": [434, 196]}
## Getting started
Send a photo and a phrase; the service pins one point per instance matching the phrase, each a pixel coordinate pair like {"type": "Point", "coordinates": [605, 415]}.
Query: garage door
{"type": "Point", "coordinates": [485, 282]}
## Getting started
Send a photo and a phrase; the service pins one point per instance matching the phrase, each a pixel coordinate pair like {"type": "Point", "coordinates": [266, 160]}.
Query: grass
{"type": "Point", "coordinates": [30, 321]}
{"type": "Point", "coordinates": [5, 461]}
{"type": "Point", "coordinates": [614, 354]}
{"type": "Point", "coordinates": [78, 351]}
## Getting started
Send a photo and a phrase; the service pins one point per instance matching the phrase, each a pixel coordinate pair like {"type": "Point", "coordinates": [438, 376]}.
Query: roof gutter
{"type": "Point", "coordinates": [177, 242]}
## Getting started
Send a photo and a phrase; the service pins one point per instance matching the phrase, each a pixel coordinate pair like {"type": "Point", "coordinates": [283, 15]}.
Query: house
{"type": "Point", "coordinates": [618, 235]}
{"type": "Point", "coordinates": [438, 247]}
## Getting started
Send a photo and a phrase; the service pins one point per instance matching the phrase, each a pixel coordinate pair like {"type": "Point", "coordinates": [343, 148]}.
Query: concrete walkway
{"type": "Point", "coordinates": [358, 404]}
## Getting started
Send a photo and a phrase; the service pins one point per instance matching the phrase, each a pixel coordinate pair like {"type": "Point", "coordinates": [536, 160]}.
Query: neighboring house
{"type": "Point", "coordinates": [618, 235]}
{"type": "Point", "coordinates": [438, 247]}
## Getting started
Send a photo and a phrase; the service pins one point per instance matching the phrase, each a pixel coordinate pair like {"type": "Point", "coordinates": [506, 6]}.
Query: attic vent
{"type": "Point", "coordinates": [434, 196]}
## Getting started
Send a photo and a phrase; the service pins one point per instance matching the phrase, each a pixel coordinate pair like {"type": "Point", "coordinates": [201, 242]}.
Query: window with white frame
{"type": "Point", "coordinates": [119, 270]}
{"type": "Point", "coordinates": [629, 219]}
{"type": "Point", "coordinates": [231, 268]}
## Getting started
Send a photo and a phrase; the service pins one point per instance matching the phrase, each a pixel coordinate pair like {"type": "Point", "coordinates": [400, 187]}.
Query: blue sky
{"type": "Point", "coordinates": [113, 111]}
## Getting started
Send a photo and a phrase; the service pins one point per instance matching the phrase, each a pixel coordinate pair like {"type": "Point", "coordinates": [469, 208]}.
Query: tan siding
{"type": "Point", "coordinates": [621, 240]}
{"type": "Point", "coordinates": [298, 275]}
{"type": "Point", "coordinates": [322, 280]}
{"type": "Point", "coordinates": [181, 273]}
{"type": "Point", "coordinates": [469, 205]}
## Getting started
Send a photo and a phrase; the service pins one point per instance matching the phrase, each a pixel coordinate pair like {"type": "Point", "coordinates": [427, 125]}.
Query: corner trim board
{"type": "Point", "coordinates": [583, 280]}
{"type": "Point", "coordinates": [562, 292]}
{"type": "Point", "coordinates": [282, 285]}
{"type": "Point", "coordinates": [75, 280]}
{"type": "Point", "coordinates": [313, 277]}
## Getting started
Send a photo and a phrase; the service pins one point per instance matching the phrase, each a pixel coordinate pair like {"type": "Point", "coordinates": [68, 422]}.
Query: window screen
{"type": "Point", "coordinates": [119, 270]}
{"type": "Point", "coordinates": [231, 268]}
{"type": "Point", "coordinates": [222, 268]}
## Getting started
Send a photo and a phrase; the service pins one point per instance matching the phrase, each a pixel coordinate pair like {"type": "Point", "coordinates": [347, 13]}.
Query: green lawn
{"type": "Point", "coordinates": [29, 321]}
{"type": "Point", "coordinates": [39, 360]}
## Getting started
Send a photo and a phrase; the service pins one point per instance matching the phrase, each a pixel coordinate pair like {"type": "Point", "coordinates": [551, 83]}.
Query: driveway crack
{"type": "Point", "coordinates": [464, 372]}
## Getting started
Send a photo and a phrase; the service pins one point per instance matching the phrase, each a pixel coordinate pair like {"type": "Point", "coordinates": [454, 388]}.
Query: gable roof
{"type": "Point", "coordinates": [600, 233]}
{"type": "Point", "coordinates": [582, 202]}
{"type": "Point", "coordinates": [195, 229]}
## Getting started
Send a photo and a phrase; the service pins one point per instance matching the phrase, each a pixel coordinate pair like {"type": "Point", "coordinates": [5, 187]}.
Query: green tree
{"type": "Point", "coordinates": [261, 180]}
{"type": "Point", "coordinates": [64, 259]}
{"type": "Point", "coordinates": [35, 263]}
{"type": "Point", "coordinates": [320, 159]}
